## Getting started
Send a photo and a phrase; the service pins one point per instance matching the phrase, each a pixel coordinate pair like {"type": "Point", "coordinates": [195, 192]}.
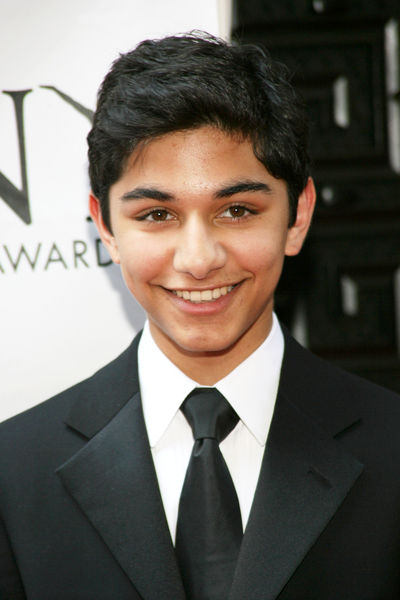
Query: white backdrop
{"type": "Point", "coordinates": [64, 313]}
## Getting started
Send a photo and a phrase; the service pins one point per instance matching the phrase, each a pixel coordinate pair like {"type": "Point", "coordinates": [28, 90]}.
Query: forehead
{"type": "Point", "coordinates": [199, 158]}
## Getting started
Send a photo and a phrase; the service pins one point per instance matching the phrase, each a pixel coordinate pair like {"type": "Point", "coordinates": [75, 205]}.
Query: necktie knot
{"type": "Point", "coordinates": [209, 414]}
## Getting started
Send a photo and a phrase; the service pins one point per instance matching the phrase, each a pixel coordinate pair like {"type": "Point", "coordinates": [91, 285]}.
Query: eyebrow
{"type": "Point", "coordinates": [230, 190]}
{"type": "Point", "coordinates": [151, 193]}
{"type": "Point", "coordinates": [243, 186]}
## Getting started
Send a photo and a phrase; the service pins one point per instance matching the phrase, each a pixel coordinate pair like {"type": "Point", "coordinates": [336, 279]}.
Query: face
{"type": "Point", "coordinates": [200, 229]}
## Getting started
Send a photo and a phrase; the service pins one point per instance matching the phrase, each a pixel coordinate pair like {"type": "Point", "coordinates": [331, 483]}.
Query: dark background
{"type": "Point", "coordinates": [342, 288]}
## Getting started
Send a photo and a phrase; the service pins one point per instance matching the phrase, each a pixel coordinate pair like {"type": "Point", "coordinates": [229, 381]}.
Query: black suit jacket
{"type": "Point", "coordinates": [82, 517]}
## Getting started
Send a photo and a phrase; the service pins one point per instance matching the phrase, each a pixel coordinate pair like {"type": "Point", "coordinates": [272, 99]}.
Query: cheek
{"type": "Point", "coordinates": [141, 260]}
{"type": "Point", "coordinates": [262, 254]}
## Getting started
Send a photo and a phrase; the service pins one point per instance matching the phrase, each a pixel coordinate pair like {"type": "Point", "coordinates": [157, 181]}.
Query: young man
{"type": "Point", "coordinates": [200, 188]}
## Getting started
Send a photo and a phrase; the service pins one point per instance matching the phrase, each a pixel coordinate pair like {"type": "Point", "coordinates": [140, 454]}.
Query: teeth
{"type": "Point", "coordinates": [197, 296]}
{"type": "Point", "coordinates": [206, 295]}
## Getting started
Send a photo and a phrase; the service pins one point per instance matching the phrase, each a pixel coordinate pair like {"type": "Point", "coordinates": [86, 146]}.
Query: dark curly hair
{"type": "Point", "coordinates": [184, 82]}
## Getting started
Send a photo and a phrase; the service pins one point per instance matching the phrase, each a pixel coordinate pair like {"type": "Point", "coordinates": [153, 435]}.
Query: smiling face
{"type": "Point", "coordinates": [200, 229]}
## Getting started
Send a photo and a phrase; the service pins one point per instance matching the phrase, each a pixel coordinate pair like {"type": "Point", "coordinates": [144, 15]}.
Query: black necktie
{"type": "Point", "coordinates": [209, 529]}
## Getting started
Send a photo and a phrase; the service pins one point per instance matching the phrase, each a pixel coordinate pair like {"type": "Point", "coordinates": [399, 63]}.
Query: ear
{"type": "Point", "coordinates": [105, 234]}
{"type": "Point", "coordinates": [305, 208]}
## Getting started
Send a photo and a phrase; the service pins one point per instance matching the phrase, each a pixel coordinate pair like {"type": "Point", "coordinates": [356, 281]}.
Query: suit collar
{"type": "Point", "coordinates": [305, 476]}
{"type": "Point", "coordinates": [112, 478]}
{"type": "Point", "coordinates": [100, 397]}
{"type": "Point", "coordinates": [305, 379]}
{"type": "Point", "coordinates": [113, 481]}
{"type": "Point", "coordinates": [319, 389]}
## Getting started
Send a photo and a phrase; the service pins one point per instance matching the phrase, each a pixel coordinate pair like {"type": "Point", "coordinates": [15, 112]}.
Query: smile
{"type": "Point", "coordinates": [198, 296]}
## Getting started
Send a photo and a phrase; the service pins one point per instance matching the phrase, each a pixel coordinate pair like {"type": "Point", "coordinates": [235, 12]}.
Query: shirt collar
{"type": "Point", "coordinates": [251, 388]}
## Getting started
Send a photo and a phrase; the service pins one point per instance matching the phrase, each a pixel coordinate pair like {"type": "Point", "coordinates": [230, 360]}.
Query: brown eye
{"type": "Point", "coordinates": [159, 215]}
{"type": "Point", "coordinates": [237, 211]}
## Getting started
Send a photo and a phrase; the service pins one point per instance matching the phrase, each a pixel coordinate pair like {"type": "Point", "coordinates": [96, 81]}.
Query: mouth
{"type": "Point", "coordinates": [200, 296]}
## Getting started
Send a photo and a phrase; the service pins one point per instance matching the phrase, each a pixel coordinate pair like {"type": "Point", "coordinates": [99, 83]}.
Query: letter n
{"type": "Point", "coordinates": [18, 200]}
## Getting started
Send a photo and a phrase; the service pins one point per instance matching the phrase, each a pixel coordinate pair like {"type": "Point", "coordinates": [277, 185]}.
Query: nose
{"type": "Point", "coordinates": [198, 251]}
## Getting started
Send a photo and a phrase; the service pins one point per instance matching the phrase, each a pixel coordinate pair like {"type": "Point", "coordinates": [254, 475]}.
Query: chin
{"type": "Point", "coordinates": [201, 344]}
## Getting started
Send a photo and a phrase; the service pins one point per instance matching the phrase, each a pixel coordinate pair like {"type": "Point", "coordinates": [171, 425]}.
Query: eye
{"type": "Point", "coordinates": [236, 211]}
{"type": "Point", "coordinates": [156, 215]}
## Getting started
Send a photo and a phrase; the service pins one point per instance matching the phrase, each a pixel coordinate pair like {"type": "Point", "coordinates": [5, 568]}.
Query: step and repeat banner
{"type": "Point", "coordinates": [64, 309]}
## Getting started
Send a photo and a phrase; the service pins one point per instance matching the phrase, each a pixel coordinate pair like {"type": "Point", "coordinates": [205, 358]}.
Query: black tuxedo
{"type": "Point", "coordinates": [82, 517]}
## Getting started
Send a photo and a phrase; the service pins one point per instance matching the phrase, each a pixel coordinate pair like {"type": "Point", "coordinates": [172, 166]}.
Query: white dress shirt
{"type": "Point", "coordinates": [251, 390]}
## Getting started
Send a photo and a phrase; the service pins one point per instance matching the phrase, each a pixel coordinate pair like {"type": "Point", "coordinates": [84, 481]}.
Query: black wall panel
{"type": "Point", "coordinates": [345, 60]}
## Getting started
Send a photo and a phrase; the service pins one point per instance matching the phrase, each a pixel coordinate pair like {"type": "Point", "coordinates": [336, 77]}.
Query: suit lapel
{"type": "Point", "coordinates": [305, 476]}
{"type": "Point", "coordinates": [112, 478]}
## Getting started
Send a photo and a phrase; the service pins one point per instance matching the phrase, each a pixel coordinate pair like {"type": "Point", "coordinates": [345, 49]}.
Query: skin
{"type": "Point", "coordinates": [194, 211]}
